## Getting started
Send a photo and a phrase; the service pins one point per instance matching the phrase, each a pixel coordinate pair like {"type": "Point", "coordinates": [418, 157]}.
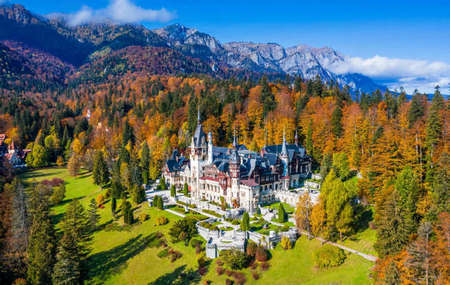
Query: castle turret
{"type": "Point", "coordinates": [210, 148]}
{"type": "Point", "coordinates": [284, 156]}
{"type": "Point", "coordinates": [296, 138]}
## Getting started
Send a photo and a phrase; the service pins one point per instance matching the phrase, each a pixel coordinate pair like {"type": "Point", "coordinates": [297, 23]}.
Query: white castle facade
{"type": "Point", "coordinates": [244, 178]}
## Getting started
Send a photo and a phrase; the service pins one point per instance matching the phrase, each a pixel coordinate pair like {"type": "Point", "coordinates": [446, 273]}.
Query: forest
{"type": "Point", "coordinates": [124, 128]}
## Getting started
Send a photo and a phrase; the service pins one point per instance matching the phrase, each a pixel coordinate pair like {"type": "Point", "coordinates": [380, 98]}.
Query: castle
{"type": "Point", "coordinates": [238, 176]}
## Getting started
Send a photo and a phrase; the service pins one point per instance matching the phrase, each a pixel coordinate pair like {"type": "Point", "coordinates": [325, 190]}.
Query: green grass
{"type": "Point", "coordinates": [296, 266]}
{"type": "Point", "coordinates": [362, 241]}
{"type": "Point", "coordinates": [288, 208]}
{"type": "Point", "coordinates": [127, 257]}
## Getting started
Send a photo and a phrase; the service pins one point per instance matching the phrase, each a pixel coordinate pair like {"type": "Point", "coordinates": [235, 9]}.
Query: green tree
{"type": "Point", "coordinates": [113, 206]}
{"type": "Point", "coordinates": [341, 166]}
{"type": "Point", "coordinates": [41, 240]}
{"type": "Point", "coordinates": [76, 223]}
{"type": "Point", "coordinates": [281, 213]}
{"type": "Point", "coordinates": [127, 213]}
{"type": "Point", "coordinates": [162, 183]}
{"type": "Point", "coordinates": [407, 188]}
{"type": "Point", "coordinates": [420, 254]}
{"type": "Point", "coordinates": [336, 122]}
{"type": "Point", "coordinates": [59, 192]}
{"type": "Point", "coordinates": [145, 162]}
{"type": "Point", "coordinates": [67, 269]}
{"type": "Point", "coordinates": [186, 189]}
{"type": "Point", "coordinates": [173, 192]}
{"type": "Point", "coordinates": [325, 166]}
{"type": "Point", "coordinates": [94, 217]}
{"type": "Point", "coordinates": [137, 194]}
{"type": "Point", "coordinates": [416, 109]}
{"type": "Point", "coordinates": [245, 222]}
{"type": "Point", "coordinates": [100, 171]}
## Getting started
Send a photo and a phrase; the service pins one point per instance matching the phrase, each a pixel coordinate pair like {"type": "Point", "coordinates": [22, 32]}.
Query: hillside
{"type": "Point", "coordinates": [86, 44]}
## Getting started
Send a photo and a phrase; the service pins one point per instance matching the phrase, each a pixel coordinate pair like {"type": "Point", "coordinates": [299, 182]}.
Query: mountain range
{"type": "Point", "coordinates": [49, 46]}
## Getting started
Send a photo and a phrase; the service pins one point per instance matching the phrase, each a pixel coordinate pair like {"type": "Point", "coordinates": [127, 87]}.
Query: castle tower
{"type": "Point", "coordinates": [235, 167]}
{"type": "Point", "coordinates": [296, 138]}
{"type": "Point", "coordinates": [199, 149]}
{"type": "Point", "coordinates": [210, 148]}
{"type": "Point", "coordinates": [284, 156]}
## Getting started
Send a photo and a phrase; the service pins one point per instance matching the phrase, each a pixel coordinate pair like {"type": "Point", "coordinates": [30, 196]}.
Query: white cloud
{"type": "Point", "coordinates": [121, 11]}
{"type": "Point", "coordinates": [408, 73]}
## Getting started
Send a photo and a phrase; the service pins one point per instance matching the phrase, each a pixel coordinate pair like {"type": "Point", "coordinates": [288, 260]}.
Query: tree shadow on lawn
{"type": "Point", "coordinates": [179, 276]}
{"type": "Point", "coordinates": [104, 264]}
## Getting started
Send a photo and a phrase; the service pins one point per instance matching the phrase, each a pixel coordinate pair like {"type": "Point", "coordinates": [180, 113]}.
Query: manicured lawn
{"type": "Point", "coordinates": [126, 257]}
{"type": "Point", "coordinates": [362, 241]}
{"type": "Point", "coordinates": [288, 208]}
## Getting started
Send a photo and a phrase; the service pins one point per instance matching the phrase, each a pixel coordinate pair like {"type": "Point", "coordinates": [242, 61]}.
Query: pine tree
{"type": "Point", "coordinates": [127, 213]}
{"type": "Point", "coordinates": [408, 190]}
{"type": "Point", "coordinates": [392, 232]}
{"type": "Point", "coordinates": [186, 189]}
{"type": "Point", "coordinates": [67, 270]}
{"type": "Point", "coordinates": [76, 222]}
{"type": "Point", "coordinates": [94, 217]}
{"type": "Point", "coordinates": [336, 122]}
{"type": "Point", "coordinates": [113, 206]}
{"type": "Point", "coordinates": [173, 192]}
{"type": "Point", "coordinates": [145, 162]}
{"type": "Point", "coordinates": [309, 139]}
{"type": "Point", "coordinates": [41, 240]}
{"type": "Point", "coordinates": [416, 109]}
{"type": "Point", "coordinates": [245, 222]}
{"type": "Point", "coordinates": [420, 252]}
{"type": "Point", "coordinates": [281, 213]}
{"type": "Point", "coordinates": [100, 172]}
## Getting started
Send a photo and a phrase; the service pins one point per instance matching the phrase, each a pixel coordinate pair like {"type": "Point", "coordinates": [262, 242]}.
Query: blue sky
{"type": "Point", "coordinates": [401, 33]}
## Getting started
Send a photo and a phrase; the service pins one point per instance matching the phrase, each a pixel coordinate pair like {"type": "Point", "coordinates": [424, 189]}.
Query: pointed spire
{"type": "Point", "coordinates": [283, 147]}
{"type": "Point", "coordinates": [296, 137]}
{"type": "Point", "coordinates": [234, 139]}
{"type": "Point", "coordinates": [198, 115]}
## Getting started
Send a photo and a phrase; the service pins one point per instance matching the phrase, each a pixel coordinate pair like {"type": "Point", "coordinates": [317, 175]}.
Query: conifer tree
{"type": "Point", "coordinates": [41, 240]}
{"type": "Point", "coordinates": [173, 192]}
{"type": "Point", "coordinates": [100, 171]}
{"type": "Point", "coordinates": [76, 223]}
{"type": "Point", "coordinates": [145, 163]}
{"type": "Point", "coordinates": [336, 122]}
{"type": "Point", "coordinates": [186, 189]}
{"type": "Point", "coordinates": [281, 213]}
{"type": "Point", "coordinates": [245, 222]}
{"type": "Point", "coordinates": [416, 109]}
{"type": "Point", "coordinates": [67, 269]}
{"type": "Point", "coordinates": [94, 217]}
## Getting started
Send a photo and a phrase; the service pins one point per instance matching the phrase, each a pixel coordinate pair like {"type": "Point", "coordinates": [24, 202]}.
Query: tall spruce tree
{"type": "Point", "coordinates": [41, 240]}
{"type": "Point", "coordinates": [94, 217]}
{"type": "Point", "coordinates": [67, 270]}
{"type": "Point", "coordinates": [145, 162]}
{"type": "Point", "coordinates": [100, 171]}
{"type": "Point", "coordinates": [76, 222]}
{"type": "Point", "coordinates": [245, 222]}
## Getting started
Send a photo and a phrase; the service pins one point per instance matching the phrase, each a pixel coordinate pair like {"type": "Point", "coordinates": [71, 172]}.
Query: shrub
{"type": "Point", "coordinates": [234, 258]}
{"type": "Point", "coordinates": [251, 249]}
{"type": "Point", "coordinates": [100, 199]}
{"type": "Point", "coordinates": [328, 256]}
{"type": "Point", "coordinates": [254, 266]}
{"type": "Point", "coordinates": [219, 262]}
{"type": "Point", "coordinates": [265, 266]}
{"type": "Point", "coordinates": [255, 275]}
{"type": "Point", "coordinates": [183, 230]}
{"type": "Point", "coordinates": [220, 270]}
{"type": "Point", "coordinates": [198, 249]}
{"type": "Point", "coordinates": [239, 277]}
{"type": "Point", "coordinates": [286, 243]}
{"type": "Point", "coordinates": [163, 253]}
{"type": "Point", "coordinates": [235, 222]}
{"type": "Point", "coordinates": [228, 272]}
{"type": "Point", "coordinates": [284, 228]}
{"type": "Point", "coordinates": [59, 192]}
{"type": "Point", "coordinates": [161, 221]}
{"type": "Point", "coordinates": [20, 281]}
{"type": "Point", "coordinates": [261, 254]}
{"type": "Point", "coordinates": [229, 282]}
{"type": "Point", "coordinates": [143, 217]}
